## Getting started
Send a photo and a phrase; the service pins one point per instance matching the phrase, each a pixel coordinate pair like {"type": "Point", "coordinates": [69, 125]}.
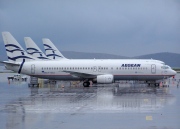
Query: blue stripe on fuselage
{"type": "Point", "coordinates": [21, 66]}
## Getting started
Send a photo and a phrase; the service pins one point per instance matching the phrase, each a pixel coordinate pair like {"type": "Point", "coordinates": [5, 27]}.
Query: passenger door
{"type": "Point", "coordinates": [153, 68]}
{"type": "Point", "coordinates": [33, 69]}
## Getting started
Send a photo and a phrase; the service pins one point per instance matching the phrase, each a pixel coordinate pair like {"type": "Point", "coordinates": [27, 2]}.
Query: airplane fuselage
{"type": "Point", "coordinates": [90, 68]}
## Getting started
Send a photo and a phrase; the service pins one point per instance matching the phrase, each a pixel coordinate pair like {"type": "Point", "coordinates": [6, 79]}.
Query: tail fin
{"type": "Point", "coordinates": [34, 50]}
{"type": "Point", "coordinates": [14, 50]}
{"type": "Point", "coordinates": [51, 51]}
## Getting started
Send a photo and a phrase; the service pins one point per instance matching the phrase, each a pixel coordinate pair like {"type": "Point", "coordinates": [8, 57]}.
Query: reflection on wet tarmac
{"type": "Point", "coordinates": [51, 102]}
{"type": "Point", "coordinates": [52, 98]}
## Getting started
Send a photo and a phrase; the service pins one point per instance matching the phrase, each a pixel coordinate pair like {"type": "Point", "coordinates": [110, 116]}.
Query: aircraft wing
{"type": "Point", "coordinates": [81, 74]}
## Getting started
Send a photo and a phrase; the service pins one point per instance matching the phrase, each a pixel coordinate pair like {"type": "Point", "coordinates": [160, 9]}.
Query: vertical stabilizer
{"type": "Point", "coordinates": [51, 51]}
{"type": "Point", "coordinates": [34, 50]}
{"type": "Point", "coordinates": [14, 50]}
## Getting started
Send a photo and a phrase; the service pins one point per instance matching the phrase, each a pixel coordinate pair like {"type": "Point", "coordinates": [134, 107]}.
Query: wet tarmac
{"type": "Point", "coordinates": [130, 105]}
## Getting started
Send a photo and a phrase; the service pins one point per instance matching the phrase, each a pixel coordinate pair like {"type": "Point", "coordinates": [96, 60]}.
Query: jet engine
{"type": "Point", "coordinates": [105, 79]}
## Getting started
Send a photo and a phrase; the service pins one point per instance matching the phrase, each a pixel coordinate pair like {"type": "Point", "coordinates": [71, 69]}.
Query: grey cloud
{"type": "Point", "coordinates": [118, 27]}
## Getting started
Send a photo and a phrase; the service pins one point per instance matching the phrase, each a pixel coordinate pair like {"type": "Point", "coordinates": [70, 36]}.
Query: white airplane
{"type": "Point", "coordinates": [51, 51]}
{"type": "Point", "coordinates": [34, 50]}
{"type": "Point", "coordinates": [104, 71]}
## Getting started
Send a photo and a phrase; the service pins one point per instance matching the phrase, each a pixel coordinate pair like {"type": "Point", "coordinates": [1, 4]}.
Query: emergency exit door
{"type": "Point", "coordinates": [94, 68]}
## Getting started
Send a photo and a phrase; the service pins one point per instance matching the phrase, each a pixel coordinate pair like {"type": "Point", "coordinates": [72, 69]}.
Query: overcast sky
{"type": "Point", "coordinates": [127, 27]}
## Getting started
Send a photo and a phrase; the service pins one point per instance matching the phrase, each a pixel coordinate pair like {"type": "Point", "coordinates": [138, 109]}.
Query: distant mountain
{"type": "Point", "coordinates": [171, 59]}
{"type": "Point", "coordinates": [84, 55]}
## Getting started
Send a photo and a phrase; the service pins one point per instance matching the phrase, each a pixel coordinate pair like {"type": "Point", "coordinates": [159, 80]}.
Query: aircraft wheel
{"type": "Point", "coordinates": [86, 84]}
{"type": "Point", "coordinates": [156, 84]}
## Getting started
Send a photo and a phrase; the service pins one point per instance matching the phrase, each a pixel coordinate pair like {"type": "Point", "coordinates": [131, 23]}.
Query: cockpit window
{"type": "Point", "coordinates": [165, 67]}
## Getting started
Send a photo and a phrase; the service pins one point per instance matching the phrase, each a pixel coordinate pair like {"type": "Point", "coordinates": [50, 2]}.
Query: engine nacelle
{"type": "Point", "coordinates": [105, 79]}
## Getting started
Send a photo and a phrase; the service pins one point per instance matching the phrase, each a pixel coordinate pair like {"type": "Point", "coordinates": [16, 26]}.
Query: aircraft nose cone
{"type": "Point", "coordinates": [174, 72]}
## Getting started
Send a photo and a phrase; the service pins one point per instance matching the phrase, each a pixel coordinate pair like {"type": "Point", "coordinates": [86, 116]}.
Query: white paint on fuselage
{"type": "Point", "coordinates": [53, 69]}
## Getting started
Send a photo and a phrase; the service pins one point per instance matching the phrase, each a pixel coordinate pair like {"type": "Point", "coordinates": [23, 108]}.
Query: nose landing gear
{"type": "Point", "coordinates": [153, 83]}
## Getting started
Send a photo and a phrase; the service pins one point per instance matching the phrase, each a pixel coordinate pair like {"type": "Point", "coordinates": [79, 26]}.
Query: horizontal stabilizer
{"type": "Point", "coordinates": [9, 63]}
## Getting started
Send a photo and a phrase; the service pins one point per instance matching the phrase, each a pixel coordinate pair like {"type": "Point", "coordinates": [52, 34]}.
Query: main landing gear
{"type": "Point", "coordinates": [155, 84]}
{"type": "Point", "coordinates": [86, 84]}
